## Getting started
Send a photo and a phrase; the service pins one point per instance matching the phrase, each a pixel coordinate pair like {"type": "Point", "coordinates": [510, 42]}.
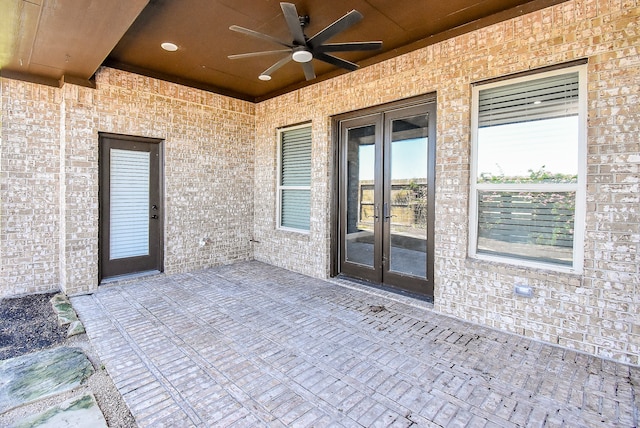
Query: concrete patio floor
{"type": "Point", "coordinates": [253, 345]}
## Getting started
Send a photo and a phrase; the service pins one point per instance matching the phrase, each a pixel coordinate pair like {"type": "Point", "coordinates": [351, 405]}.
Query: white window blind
{"type": "Point", "coordinates": [129, 196]}
{"type": "Point", "coordinates": [546, 98]}
{"type": "Point", "coordinates": [295, 178]}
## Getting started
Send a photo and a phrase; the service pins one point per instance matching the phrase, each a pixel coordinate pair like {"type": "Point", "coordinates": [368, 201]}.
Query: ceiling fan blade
{"type": "Point", "coordinates": [309, 74]}
{"type": "Point", "coordinates": [293, 22]}
{"type": "Point", "coordinates": [349, 47]}
{"type": "Point", "coordinates": [277, 65]}
{"type": "Point", "coordinates": [253, 54]}
{"type": "Point", "coordinates": [252, 33]}
{"type": "Point", "coordinates": [340, 25]}
{"type": "Point", "coordinates": [335, 61]}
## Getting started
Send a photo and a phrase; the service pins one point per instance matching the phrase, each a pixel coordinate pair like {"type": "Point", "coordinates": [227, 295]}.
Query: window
{"type": "Point", "coordinates": [294, 181]}
{"type": "Point", "coordinates": [528, 170]}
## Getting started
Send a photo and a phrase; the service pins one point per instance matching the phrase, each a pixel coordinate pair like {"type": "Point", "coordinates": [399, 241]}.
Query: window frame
{"type": "Point", "coordinates": [280, 187]}
{"type": "Point", "coordinates": [579, 187]}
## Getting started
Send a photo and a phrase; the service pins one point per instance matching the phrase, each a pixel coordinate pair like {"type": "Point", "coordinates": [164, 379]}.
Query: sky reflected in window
{"type": "Point", "coordinates": [409, 159]}
{"type": "Point", "coordinates": [516, 148]}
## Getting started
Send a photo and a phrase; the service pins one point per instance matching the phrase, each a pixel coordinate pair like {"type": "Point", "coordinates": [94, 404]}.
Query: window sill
{"type": "Point", "coordinates": [298, 232]}
{"type": "Point", "coordinates": [515, 264]}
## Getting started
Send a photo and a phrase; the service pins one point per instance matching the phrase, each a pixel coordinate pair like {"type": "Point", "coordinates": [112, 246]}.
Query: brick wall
{"type": "Point", "coordinates": [49, 176]}
{"type": "Point", "coordinates": [597, 312]}
{"type": "Point", "coordinates": [29, 188]}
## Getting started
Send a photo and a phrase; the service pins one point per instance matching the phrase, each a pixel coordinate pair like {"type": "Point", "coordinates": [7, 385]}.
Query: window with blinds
{"type": "Point", "coordinates": [294, 182]}
{"type": "Point", "coordinates": [528, 149]}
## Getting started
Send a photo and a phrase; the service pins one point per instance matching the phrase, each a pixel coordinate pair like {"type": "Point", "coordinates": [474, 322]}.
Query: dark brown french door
{"type": "Point", "coordinates": [131, 209]}
{"type": "Point", "coordinates": [386, 197]}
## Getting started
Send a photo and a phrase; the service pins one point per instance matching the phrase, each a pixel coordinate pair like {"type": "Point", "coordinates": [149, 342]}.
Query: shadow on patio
{"type": "Point", "coordinates": [254, 345]}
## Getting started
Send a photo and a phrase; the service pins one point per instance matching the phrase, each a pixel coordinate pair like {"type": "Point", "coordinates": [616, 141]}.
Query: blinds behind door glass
{"type": "Point", "coordinates": [295, 178]}
{"type": "Point", "coordinates": [129, 222]}
{"type": "Point", "coordinates": [546, 98]}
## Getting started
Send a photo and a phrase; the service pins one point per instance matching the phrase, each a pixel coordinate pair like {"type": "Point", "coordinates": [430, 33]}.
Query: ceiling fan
{"type": "Point", "coordinates": [303, 49]}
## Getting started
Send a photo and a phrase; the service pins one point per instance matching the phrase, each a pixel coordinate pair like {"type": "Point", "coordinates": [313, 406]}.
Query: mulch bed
{"type": "Point", "coordinates": [28, 324]}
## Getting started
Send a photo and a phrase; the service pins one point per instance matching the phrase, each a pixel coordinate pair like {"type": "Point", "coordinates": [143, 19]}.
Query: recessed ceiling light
{"type": "Point", "coordinates": [264, 77]}
{"type": "Point", "coordinates": [170, 47]}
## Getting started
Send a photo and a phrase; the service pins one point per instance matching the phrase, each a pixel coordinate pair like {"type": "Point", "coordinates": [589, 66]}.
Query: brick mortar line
{"type": "Point", "coordinates": [253, 358]}
{"type": "Point", "coordinates": [371, 392]}
{"type": "Point", "coordinates": [160, 378]}
{"type": "Point", "coordinates": [358, 385]}
{"type": "Point", "coordinates": [108, 84]}
{"type": "Point", "coordinates": [106, 354]}
{"type": "Point", "coordinates": [236, 392]}
{"type": "Point", "coordinates": [495, 383]}
{"type": "Point", "coordinates": [423, 306]}
{"type": "Point", "coordinates": [98, 323]}
{"type": "Point", "coordinates": [343, 321]}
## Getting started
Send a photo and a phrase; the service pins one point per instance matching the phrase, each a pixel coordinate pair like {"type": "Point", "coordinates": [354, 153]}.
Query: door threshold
{"type": "Point", "coordinates": [386, 289]}
{"type": "Point", "coordinates": [128, 277]}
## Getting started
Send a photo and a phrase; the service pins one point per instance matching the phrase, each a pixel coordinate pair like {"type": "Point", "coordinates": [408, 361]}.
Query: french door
{"type": "Point", "coordinates": [386, 197]}
{"type": "Point", "coordinates": [131, 209]}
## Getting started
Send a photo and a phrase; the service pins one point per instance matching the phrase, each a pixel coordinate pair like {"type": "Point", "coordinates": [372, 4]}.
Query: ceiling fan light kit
{"type": "Point", "coordinates": [302, 55]}
{"type": "Point", "coordinates": [303, 49]}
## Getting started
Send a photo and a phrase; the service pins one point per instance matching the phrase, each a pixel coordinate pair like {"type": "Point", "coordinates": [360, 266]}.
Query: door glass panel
{"type": "Point", "coordinates": [129, 228]}
{"type": "Point", "coordinates": [360, 195]}
{"type": "Point", "coordinates": [407, 204]}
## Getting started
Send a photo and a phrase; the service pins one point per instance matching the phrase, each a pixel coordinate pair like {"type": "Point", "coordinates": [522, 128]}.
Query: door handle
{"type": "Point", "coordinates": [154, 216]}
{"type": "Point", "coordinates": [387, 212]}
